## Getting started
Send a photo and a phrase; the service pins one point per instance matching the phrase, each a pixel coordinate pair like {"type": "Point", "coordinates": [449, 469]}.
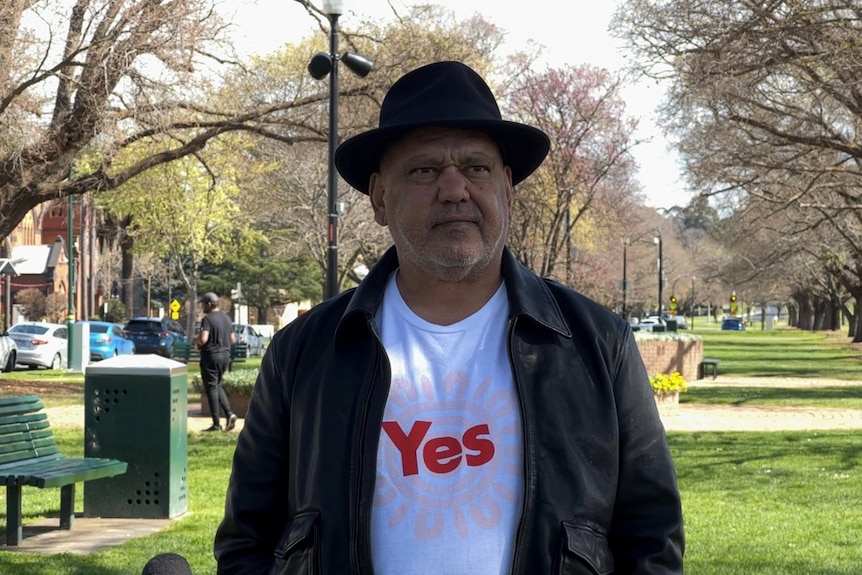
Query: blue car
{"type": "Point", "coordinates": [733, 324]}
{"type": "Point", "coordinates": [108, 340]}
{"type": "Point", "coordinates": [155, 335]}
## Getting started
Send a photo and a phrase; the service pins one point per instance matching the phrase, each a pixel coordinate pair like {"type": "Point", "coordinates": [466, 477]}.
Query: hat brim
{"type": "Point", "coordinates": [523, 147]}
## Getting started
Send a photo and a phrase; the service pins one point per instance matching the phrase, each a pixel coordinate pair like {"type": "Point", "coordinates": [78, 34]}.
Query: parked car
{"type": "Point", "coordinates": [248, 335]}
{"type": "Point", "coordinates": [8, 352]}
{"type": "Point", "coordinates": [679, 319]}
{"type": "Point", "coordinates": [41, 344]}
{"type": "Point", "coordinates": [647, 323]}
{"type": "Point", "coordinates": [733, 324]}
{"type": "Point", "coordinates": [108, 340]}
{"type": "Point", "coordinates": [155, 335]}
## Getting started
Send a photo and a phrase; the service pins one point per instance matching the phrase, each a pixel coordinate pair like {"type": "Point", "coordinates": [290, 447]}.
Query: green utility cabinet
{"type": "Point", "coordinates": [135, 410]}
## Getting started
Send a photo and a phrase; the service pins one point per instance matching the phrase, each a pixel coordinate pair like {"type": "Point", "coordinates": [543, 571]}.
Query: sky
{"type": "Point", "coordinates": [576, 35]}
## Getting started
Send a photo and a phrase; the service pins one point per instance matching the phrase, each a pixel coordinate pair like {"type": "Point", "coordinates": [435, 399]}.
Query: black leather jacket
{"type": "Point", "coordinates": [600, 493]}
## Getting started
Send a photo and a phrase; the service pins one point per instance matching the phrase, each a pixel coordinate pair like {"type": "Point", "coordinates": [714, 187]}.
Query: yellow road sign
{"type": "Point", "coordinates": [175, 306]}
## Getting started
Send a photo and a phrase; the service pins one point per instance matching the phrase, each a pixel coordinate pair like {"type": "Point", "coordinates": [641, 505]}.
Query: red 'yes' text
{"type": "Point", "coordinates": [440, 454]}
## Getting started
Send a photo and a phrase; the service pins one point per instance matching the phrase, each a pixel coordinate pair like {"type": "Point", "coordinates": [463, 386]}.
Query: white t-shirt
{"type": "Point", "coordinates": [450, 462]}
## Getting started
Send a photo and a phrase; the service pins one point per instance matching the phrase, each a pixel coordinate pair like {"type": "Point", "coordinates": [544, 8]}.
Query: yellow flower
{"type": "Point", "coordinates": [664, 383]}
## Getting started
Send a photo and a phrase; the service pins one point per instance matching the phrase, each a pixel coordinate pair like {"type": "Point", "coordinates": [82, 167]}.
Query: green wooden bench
{"type": "Point", "coordinates": [29, 456]}
{"type": "Point", "coordinates": [186, 352]}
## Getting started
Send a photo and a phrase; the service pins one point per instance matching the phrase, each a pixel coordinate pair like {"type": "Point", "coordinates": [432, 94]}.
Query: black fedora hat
{"type": "Point", "coordinates": [447, 94]}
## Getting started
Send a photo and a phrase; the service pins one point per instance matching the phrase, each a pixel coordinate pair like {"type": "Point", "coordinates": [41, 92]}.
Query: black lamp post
{"type": "Point", "coordinates": [625, 276]}
{"type": "Point", "coordinates": [70, 247]}
{"type": "Point", "coordinates": [657, 240]}
{"type": "Point", "coordinates": [692, 302]}
{"type": "Point", "coordinates": [322, 64]}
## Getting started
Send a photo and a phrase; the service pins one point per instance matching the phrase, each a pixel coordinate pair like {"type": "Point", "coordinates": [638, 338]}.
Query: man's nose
{"type": "Point", "coordinates": [452, 185]}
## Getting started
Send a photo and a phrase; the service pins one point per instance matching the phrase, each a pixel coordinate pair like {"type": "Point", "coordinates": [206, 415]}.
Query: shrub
{"type": "Point", "coordinates": [238, 382]}
{"type": "Point", "coordinates": [664, 383]}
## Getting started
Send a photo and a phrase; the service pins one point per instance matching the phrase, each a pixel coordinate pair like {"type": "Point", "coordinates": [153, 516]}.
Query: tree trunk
{"type": "Point", "coordinates": [127, 269]}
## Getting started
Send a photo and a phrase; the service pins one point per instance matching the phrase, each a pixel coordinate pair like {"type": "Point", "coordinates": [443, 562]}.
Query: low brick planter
{"type": "Point", "coordinates": [239, 404]}
{"type": "Point", "coordinates": [667, 403]}
{"type": "Point", "coordinates": [667, 353]}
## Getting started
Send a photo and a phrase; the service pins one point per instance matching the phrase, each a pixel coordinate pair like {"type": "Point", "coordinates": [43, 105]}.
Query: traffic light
{"type": "Point", "coordinates": [673, 299]}
{"type": "Point", "coordinates": [733, 298]}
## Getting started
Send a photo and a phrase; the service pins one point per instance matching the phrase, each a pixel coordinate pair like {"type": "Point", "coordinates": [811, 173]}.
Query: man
{"type": "Point", "coordinates": [455, 413]}
{"type": "Point", "coordinates": [214, 341]}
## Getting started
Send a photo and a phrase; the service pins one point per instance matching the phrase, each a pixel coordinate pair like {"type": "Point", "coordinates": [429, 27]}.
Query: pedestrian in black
{"type": "Point", "coordinates": [214, 343]}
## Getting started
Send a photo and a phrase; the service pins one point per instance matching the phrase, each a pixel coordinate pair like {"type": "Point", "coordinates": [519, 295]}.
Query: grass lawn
{"type": "Point", "coordinates": [847, 397]}
{"type": "Point", "coordinates": [776, 503]}
{"type": "Point", "coordinates": [783, 352]}
{"type": "Point", "coordinates": [755, 503]}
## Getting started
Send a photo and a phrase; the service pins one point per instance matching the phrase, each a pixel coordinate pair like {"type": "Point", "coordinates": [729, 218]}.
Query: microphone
{"type": "Point", "coordinates": [167, 564]}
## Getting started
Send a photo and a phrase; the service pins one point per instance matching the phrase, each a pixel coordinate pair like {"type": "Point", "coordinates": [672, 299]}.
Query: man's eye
{"type": "Point", "coordinates": [478, 168]}
{"type": "Point", "coordinates": [424, 171]}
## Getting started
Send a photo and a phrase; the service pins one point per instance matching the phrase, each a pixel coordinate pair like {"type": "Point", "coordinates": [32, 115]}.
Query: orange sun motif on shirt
{"type": "Point", "coordinates": [450, 454]}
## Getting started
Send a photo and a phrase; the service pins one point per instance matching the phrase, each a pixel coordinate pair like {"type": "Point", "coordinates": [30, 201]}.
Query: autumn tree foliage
{"type": "Point", "coordinates": [765, 102]}
{"type": "Point", "coordinates": [96, 77]}
{"type": "Point", "coordinates": [580, 197]}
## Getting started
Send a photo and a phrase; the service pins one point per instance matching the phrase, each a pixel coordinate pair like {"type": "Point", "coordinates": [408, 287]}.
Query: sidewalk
{"type": "Point", "coordinates": [696, 417]}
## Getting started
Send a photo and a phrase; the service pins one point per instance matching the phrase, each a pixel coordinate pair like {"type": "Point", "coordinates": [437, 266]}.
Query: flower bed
{"type": "Point", "coordinates": [238, 385]}
{"type": "Point", "coordinates": [666, 389]}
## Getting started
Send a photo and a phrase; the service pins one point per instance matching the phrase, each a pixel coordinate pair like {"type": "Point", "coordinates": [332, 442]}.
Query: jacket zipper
{"type": "Point", "coordinates": [361, 465]}
{"type": "Point", "coordinates": [516, 547]}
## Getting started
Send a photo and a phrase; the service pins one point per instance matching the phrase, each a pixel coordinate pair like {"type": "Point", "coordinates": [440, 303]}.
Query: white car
{"type": "Point", "coordinates": [646, 324]}
{"type": "Point", "coordinates": [41, 344]}
{"type": "Point", "coordinates": [248, 335]}
{"type": "Point", "coordinates": [8, 352]}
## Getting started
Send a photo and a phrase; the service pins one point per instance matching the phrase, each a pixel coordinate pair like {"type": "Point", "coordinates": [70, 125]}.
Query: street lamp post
{"type": "Point", "coordinates": [692, 303]}
{"type": "Point", "coordinates": [70, 247]}
{"type": "Point", "coordinates": [657, 240]}
{"type": "Point", "coordinates": [625, 276]}
{"type": "Point", "coordinates": [319, 66]}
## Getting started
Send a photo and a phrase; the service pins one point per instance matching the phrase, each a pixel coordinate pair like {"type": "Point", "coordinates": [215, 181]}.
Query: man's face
{"type": "Point", "coordinates": [446, 197]}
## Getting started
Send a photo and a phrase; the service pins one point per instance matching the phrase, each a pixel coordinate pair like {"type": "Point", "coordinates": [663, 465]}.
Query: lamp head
{"type": "Point", "coordinates": [320, 65]}
{"type": "Point", "coordinates": [357, 63]}
{"type": "Point", "coordinates": [333, 7]}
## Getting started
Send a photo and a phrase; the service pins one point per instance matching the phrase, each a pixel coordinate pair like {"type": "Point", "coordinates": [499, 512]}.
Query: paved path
{"type": "Point", "coordinates": [698, 417]}
{"type": "Point", "coordinates": [73, 416]}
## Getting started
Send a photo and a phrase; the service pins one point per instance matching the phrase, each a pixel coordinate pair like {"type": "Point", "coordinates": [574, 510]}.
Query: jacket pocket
{"type": "Point", "coordinates": [298, 551]}
{"type": "Point", "coordinates": [583, 551]}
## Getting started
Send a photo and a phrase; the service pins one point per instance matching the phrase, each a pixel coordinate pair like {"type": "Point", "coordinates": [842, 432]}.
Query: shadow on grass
{"type": "Point", "coordinates": [733, 460]}
{"type": "Point", "coordinates": [849, 396]}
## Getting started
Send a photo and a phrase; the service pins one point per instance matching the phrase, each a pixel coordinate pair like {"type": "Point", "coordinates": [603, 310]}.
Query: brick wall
{"type": "Point", "coordinates": [666, 353]}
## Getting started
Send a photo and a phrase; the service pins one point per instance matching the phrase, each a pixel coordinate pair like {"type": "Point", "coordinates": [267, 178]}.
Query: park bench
{"type": "Point", "coordinates": [29, 456]}
{"type": "Point", "coordinates": [186, 352]}
{"type": "Point", "coordinates": [708, 364]}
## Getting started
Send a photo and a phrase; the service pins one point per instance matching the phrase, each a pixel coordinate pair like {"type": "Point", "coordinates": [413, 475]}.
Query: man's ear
{"type": "Point", "coordinates": [376, 194]}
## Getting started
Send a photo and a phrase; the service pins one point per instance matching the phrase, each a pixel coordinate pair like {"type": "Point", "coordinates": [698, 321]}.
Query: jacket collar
{"type": "Point", "coordinates": [529, 295]}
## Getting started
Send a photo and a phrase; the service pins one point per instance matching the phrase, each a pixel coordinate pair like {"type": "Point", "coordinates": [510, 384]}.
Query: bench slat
{"type": "Point", "coordinates": [67, 470]}
{"type": "Point", "coordinates": [20, 408]}
{"type": "Point", "coordinates": [26, 447]}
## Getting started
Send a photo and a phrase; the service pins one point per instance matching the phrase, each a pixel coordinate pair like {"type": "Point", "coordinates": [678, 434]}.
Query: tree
{"type": "Point", "coordinates": [586, 186]}
{"type": "Point", "coordinates": [186, 211]}
{"type": "Point", "coordinates": [265, 280]}
{"type": "Point", "coordinates": [764, 99]}
{"type": "Point", "coordinates": [128, 72]}
{"type": "Point", "coordinates": [33, 302]}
